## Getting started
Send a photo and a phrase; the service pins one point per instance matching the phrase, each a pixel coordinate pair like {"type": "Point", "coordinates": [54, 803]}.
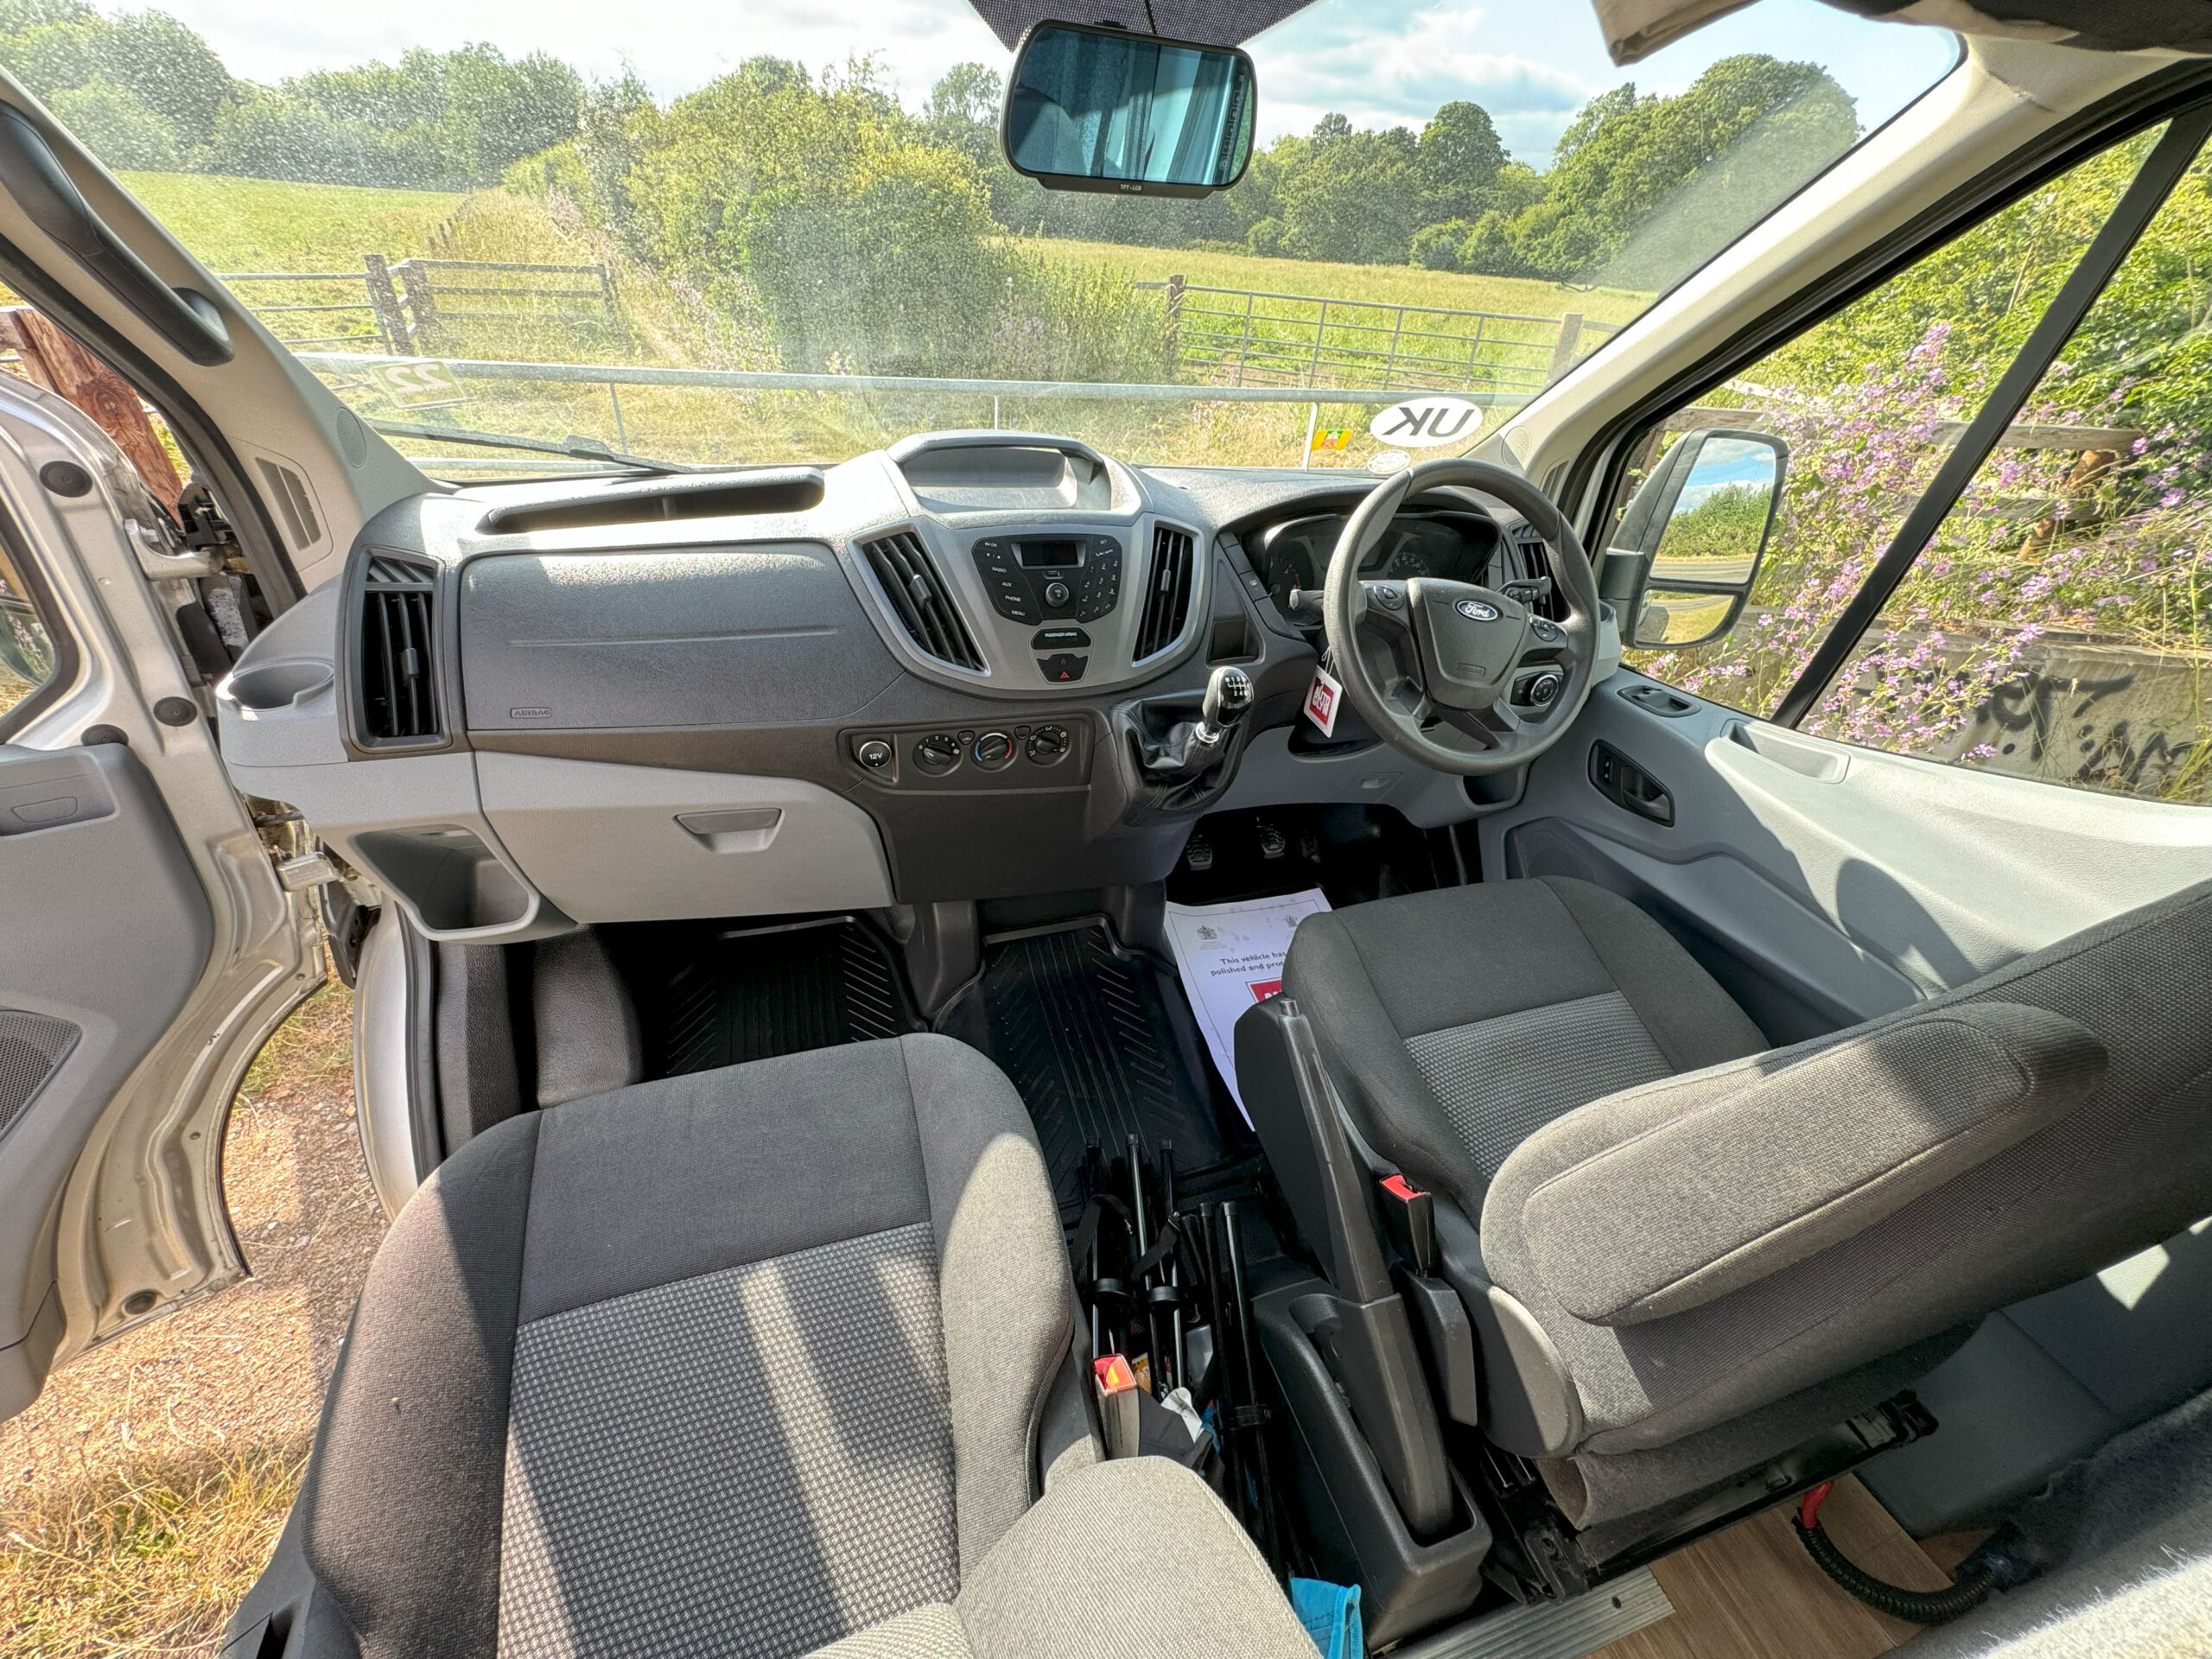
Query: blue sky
{"type": "Point", "coordinates": [1531, 63]}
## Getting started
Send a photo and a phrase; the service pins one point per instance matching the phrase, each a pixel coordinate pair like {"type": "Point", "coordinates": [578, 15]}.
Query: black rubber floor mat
{"type": "Point", "coordinates": [728, 994]}
{"type": "Point", "coordinates": [1101, 1045]}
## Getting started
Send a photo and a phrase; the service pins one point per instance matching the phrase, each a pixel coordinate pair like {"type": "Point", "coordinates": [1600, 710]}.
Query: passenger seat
{"type": "Point", "coordinates": [749, 1363]}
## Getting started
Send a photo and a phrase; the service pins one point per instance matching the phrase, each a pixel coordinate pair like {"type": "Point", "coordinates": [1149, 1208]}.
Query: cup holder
{"type": "Point", "coordinates": [286, 683]}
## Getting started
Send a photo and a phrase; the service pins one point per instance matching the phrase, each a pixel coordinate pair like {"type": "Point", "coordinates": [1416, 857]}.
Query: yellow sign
{"type": "Point", "coordinates": [1332, 438]}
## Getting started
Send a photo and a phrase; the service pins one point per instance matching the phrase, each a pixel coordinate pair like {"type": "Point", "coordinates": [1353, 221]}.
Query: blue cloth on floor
{"type": "Point", "coordinates": [1329, 1613]}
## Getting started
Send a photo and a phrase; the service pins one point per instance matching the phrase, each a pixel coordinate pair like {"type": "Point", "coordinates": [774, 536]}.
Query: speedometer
{"type": "Point", "coordinates": [1420, 547]}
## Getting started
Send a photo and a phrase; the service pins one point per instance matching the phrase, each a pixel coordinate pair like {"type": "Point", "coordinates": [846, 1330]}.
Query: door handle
{"type": "Point", "coordinates": [1623, 783]}
{"type": "Point", "coordinates": [49, 197]}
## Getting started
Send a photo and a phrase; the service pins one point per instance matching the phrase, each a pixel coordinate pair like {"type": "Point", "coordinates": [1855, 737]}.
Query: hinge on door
{"type": "Point", "coordinates": [204, 526]}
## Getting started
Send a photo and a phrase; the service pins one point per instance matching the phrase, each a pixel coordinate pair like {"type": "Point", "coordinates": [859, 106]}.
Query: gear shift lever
{"type": "Point", "coordinates": [1228, 700]}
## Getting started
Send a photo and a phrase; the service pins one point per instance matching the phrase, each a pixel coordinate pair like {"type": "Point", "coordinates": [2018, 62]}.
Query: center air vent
{"type": "Point", "coordinates": [1536, 565]}
{"type": "Point", "coordinates": [1166, 591]}
{"type": "Point", "coordinates": [917, 593]}
{"type": "Point", "coordinates": [396, 652]}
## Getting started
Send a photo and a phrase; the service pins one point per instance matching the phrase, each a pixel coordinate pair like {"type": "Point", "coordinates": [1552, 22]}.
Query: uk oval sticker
{"type": "Point", "coordinates": [1420, 422]}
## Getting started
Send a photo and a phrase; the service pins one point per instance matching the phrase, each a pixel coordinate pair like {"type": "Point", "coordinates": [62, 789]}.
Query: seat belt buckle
{"type": "Point", "coordinates": [1117, 1403]}
{"type": "Point", "coordinates": [1409, 1216]}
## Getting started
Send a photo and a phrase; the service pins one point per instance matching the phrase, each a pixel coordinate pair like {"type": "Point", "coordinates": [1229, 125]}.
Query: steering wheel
{"type": "Point", "coordinates": [1462, 678]}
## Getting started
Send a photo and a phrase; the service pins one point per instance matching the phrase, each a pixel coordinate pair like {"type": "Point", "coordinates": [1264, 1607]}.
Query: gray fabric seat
{"type": "Point", "coordinates": [1685, 1253]}
{"type": "Point", "coordinates": [745, 1363]}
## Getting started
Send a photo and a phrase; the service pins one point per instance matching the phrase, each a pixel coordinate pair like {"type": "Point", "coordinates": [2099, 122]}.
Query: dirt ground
{"type": "Point", "coordinates": [142, 1494]}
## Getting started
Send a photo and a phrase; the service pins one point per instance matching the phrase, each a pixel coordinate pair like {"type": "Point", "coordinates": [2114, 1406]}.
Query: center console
{"type": "Point", "coordinates": [1053, 557]}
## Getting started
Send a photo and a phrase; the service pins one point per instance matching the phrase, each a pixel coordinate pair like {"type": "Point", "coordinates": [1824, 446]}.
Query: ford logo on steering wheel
{"type": "Point", "coordinates": [1475, 611]}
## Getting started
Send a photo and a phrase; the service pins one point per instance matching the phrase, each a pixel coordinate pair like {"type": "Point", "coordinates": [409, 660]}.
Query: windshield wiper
{"type": "Point", "coordinates": [576, 447]}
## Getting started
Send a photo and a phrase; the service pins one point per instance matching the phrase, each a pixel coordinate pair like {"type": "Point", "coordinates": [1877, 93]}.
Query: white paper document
{"type": "Point", "coordinates": [1231, 956]}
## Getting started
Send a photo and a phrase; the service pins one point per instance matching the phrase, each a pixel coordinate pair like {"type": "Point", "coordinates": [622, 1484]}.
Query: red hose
{"type": "Point", "coordinates": [1809, 1512]}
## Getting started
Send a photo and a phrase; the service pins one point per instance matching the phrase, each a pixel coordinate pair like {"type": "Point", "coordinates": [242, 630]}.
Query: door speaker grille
{"type": "Point", "coordinates": [32, 1048]}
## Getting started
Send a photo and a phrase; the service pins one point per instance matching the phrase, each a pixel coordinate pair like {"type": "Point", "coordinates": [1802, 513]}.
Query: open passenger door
{"type": "Point", "coordinates": [148, 944]}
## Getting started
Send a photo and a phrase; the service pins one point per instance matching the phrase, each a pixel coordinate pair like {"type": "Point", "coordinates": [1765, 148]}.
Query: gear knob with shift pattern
{"type": "Point", "coordinates": [1228, 700]}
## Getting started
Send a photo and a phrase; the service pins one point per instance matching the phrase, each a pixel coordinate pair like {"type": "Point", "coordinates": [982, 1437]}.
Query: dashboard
{"type": "Point", "coordinates": [1455, 544]}
{"type": "Point", "coordinates": [937, 672]}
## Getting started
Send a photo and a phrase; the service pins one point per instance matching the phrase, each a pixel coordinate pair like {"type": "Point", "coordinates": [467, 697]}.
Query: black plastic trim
{"type": "Point", "coordinates": [34, 176]}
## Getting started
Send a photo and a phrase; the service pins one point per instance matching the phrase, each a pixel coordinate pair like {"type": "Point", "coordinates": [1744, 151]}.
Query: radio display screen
{"type": "Point", "coordinates": [1049, 555]}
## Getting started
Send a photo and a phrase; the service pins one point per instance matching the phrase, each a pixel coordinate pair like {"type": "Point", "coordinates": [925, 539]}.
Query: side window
{"type": "Point", "coordinates": [29, 658]}
{"type": "Point", "coordinates": [2056, 624]}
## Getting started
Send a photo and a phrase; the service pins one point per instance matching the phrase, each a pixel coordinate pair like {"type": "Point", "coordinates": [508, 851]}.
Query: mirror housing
{"type": "Point", "coordinates": [1098, 108]}
{"type": "Point", "coordinates": [1696, 532]}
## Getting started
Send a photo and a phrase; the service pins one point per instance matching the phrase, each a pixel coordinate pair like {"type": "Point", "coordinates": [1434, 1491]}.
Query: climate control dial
{"type": "Point", "coordinates": [939, 751]}
{"type": "Point", "coordinates": [994, 750]}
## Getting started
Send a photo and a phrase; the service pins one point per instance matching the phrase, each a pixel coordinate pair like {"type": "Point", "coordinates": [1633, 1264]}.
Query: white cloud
{"type": "Point", "coordinates": [676, 45]}
{"type": "Point", "coordinates": [1385, 66]}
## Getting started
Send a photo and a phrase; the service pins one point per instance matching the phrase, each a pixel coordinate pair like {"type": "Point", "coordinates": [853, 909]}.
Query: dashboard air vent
{"type": "Point", "coordinates": [917, 593]}
{"type": "Point", "coordinates": [1166, 592]}
{"type": "Point", "coordinates": [397, 652]}
{"type": "Point", "coordinates": [1536, 565]}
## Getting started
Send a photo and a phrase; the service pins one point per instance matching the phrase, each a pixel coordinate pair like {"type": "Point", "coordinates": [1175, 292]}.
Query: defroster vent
{"type": "Point", "coordinates": [396, 651]}
{"type": "Point", "coordinates": [1166, 591]}
{"type": "Point", "coordinates": [915, 590]}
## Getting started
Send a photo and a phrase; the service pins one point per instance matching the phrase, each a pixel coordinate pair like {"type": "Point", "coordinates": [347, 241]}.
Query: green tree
{"type": "Point", "coordinates": [55, 46]}
{"type": "Point", "coordinates": [109, 121]}
{"type": "Point", "coordinates": [1349, 195]}
{"type": "Point", "coordinates": [1456, 160]}
{"type": "Point", "coordinates": [1643, 188]}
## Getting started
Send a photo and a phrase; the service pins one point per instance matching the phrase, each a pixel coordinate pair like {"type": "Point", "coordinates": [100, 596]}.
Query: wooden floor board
{"type": "Point", "coordinates": [1752, 1592]}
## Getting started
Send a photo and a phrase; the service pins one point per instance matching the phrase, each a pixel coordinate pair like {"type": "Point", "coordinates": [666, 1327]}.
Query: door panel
{"type": "Point", "coordinates": [138, 905]}
{"type": "Point", "coordinates": [1824, 883]}
{"type": "Point", "coordinates": [104, 931]}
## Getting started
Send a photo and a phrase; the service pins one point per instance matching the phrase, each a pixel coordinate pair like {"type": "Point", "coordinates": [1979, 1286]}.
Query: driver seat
{"type": "Point", "coordinates": [1685, 1252]}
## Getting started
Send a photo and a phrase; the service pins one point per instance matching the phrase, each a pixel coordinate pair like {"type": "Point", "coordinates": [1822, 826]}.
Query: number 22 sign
{"type": "Point", "coordinates": [420, 384]}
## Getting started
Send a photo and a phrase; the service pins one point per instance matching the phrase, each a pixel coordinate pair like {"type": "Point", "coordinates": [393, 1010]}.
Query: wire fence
{"type": "Point", "coordinates": [1239, 337]}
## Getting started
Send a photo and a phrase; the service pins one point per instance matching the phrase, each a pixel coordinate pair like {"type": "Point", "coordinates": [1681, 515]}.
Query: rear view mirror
{"type": "Point", "coordinates": [1689, 545]}
{"type": "Point", "coordinates": [1102, 109]}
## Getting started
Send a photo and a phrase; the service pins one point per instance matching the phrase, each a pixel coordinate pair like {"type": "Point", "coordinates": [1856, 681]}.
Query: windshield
{"type": "Point", "coordinates": [767, 234]}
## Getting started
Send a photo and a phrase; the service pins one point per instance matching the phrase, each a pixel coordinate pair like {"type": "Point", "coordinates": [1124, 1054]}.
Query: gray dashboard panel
{"type": "Point", "coordinates": [613, 843]}
{"type": "Point", "coordinates": [756, 647]}
{"type": "Point", "coordinates": [664, 637]}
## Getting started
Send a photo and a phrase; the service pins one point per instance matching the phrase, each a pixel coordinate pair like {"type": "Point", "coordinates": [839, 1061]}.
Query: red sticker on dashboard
{"type": "Point", "coordinates": [1321, 699]}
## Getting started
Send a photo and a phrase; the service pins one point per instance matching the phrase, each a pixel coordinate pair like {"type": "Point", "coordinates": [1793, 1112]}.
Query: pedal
{"type": "Point", "coordinates": [1197, 857]}
{"type": "Point", "coordinates": [1272, 843]}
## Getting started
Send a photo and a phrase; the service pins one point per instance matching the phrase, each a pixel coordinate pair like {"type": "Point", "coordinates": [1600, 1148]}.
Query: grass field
{"type": "Point", "coordinates": [249, 225]}
{"type": "Point", "coordinates": [262, 225]}
{"type": "Point", "coordinates": [1376, 284]}
{"type": "Point", "coordinates": [142, 1492]}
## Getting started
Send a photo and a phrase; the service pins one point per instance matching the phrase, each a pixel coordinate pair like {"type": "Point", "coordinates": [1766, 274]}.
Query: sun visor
{"type": "Point", "coordinates": [1635, 28]}
{"type": "Point", "coordinates": [1217, 23]}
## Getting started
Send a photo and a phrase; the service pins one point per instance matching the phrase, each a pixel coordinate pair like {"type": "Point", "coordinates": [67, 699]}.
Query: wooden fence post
{"type": "Point", "coordinates": [1173, 335]}
{"type": "Point", "coordinates": [422, 307]}
{"type": "Point", "coordinates": [384, 300]}
{"type": "Point", "coordinates": [606, 295]}
{"type": "Point", "coordinates": [1570, 335]}
{"type": "Point", "coordinates": [52, 359]}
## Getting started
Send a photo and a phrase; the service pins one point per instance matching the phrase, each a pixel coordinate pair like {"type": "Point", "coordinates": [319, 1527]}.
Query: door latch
{"type": "Point", "coordinates": [1623, 783]}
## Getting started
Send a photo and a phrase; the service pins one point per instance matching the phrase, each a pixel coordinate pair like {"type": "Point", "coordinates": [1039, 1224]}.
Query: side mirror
{"type": "Point", "coordinates": [1102, 109]}
{"type": "Point", "coordinates": [1689, 545]}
